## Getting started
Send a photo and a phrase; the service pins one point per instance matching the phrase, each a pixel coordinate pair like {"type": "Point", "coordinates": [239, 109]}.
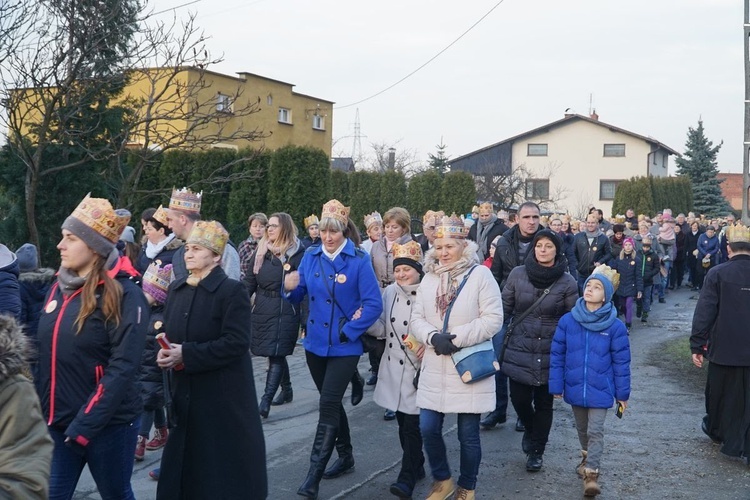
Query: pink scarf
{"type": "Point", "coordinates": [263, 247]}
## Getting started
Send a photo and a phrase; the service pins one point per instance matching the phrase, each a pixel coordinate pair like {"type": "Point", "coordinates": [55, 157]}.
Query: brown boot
{"type": "Point", "coordinates": [462, 494]}
{"type": "Point", "coordinates": [590, 485]}
{"type": "Point", "coordinates": [582, 465]}
{"type": "Point", "coordinates": [442, 490]}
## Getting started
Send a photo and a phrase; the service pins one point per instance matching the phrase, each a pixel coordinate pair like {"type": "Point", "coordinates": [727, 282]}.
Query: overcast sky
{"type": "Point", "coordinates": [654, 67]}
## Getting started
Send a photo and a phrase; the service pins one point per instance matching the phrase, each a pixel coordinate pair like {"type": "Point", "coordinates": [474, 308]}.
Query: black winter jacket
{"type": "Point", "coordinates": [721, 314]}
{"type": "Point", "coordinates": [507, 255]}
{"type": "Point", "coordinates": [527, 353]}
{"type": "Point", "coordinates": [648, 266]}
{"type": "Point", "coordinates": [34, 287]}
{"type": "Point", "coordinates": [10, 295]}
{"type": "Point", "coordinates": [88, 379]}
{"type": "Point", "coordinates": [587, 255]}
{"type": "Point", "coordinates": [275, 321]}
{"type": "Point", "coordinates": [152, 381]}
{"type": "Point", "coordinates": [165, 256]}
{"type": "Point", "coordinates": [631, 278]}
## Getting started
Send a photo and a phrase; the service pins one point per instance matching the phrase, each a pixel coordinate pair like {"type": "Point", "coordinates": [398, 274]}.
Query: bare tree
{"type": "Point", "coordinates": [405, 160]}
{"type": "Point", "coordinates": [513, 188]}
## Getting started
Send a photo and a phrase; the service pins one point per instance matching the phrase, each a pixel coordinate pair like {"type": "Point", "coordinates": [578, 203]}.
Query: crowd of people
{"type": "Point", "coordinates": [138, 346]}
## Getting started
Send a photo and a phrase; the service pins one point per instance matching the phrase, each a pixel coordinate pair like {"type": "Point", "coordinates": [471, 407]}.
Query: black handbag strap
{"type": "Point", "coordinates": [398, 337]}
{"type": "Point", "coordinates": [332, 293]}
{"type": "Point", "coordinates": [453, 300]}
{"type": "Point", "coordinates": [528, 311]}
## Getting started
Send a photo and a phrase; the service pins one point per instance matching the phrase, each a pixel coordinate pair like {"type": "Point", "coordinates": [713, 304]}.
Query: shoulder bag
{"type": "Point", "coordinates": [516, 320]}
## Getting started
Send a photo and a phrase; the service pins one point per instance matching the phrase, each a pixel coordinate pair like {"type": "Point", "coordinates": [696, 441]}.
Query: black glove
{"type": "Point", "coordinates": [442, 343]}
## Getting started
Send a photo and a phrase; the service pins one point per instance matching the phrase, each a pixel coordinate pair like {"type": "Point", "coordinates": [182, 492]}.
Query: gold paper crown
{"type": "Point", "coordinates": [475, 209]}
{"type": "Point", "coordinates": [311, 221]}
{"type": "Point", "coordinates": [158, 276]}
{"type": "Point", "coordinates": [641, 217]}
{"type": "Point", "coordinates": [486, 209]}
{"type": "Point", "coordinates": [433, 217]}
{"type": "Point", "coordinates": [161, 216]}
{"type": "Point", "coordinates": [185, 200]}
{"type": "Point", "coordinates": [209, 234]}
{"type": "Point", "coordinates": [609, 273]}
{"type": "Point", "coordinates": [373, 218]}
{"type": "Point", "coordinates": [619, 219]}
{"type": "Point", "coordinates": [98, 214]}
{"type": "Point", "coordinates": [451, 227]}
{"type": "Point", "coordinates": [410, 250]}
{"type": "Point", "coordinates": [738, 233]}
{"type": "Point", "coordinates": [544, 220]}
{"type": "Point", "coordinates": [336, 210]}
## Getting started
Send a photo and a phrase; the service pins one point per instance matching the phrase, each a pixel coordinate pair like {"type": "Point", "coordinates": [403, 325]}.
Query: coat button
{"type": "Point", "coordinates": [414, 293]}
{"type": "Point", "coordinates": [393, 320]}
{"type": "Point", "coordinates": [390, 345]}
{"type": "Point", "coordinates": [312, 321]}
{"type": "Point", "coordinates": [317, 275]}
{"type": "Point", "coordinates": [389, 358]}
{"type": "Point", "coordinates": [408, 302]}
{"type": "Point", "coordinates": [328, 301]}
{"type": "Point", "coordinates": [401, 361]}
{"type": "Point", "coordinates": [312, 298]}
{"type": "Point", "coordinates": [406, 323]}
{"type": "Point", "coordinates": [391, 334]}
{"type": "Point", "coordinates": [325, 325]}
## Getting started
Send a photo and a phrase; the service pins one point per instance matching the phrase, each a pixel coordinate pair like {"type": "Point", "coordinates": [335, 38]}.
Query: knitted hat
{"type": "Point", "coordinates": [128, 234]}
{"type": "Point", "coordinates": [97, 224]}
{"type": "Point", "coordinates": [156, 281]}
{"type": "Point", "coordinates": [409, 254]}
{"type": "Point", "coordinates": [629, 240]}
{"type": "Point", "coordinates": [28, 257]}
{"type": "Point", "coordinates": [609, 279]}
{"type": "Point", "coordinates": [336, 210]}
{"type": "Point", "coordinates": [550, 235]}
{"type": "Point", "coordinates": [209, 234]}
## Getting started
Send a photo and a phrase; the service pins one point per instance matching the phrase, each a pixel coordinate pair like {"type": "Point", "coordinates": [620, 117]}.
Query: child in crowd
{"type": "Point", "coordinates": [590, 367]}
{"type": "Point", "coordinates": [631, 281]}
{"type": "Point", "coordinates": [647, 264]}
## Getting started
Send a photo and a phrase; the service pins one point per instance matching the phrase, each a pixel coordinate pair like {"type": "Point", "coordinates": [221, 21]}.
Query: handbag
{"type": "Point", "coordinates": [519, 319]}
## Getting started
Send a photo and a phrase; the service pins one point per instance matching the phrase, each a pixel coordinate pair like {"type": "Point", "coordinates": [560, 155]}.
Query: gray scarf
{"type": "Point", "coordinates": [69, 281]}
{"type": "Point", "coordinates": [483, 232]}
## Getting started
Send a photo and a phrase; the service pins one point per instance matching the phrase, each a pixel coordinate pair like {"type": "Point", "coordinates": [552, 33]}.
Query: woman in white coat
{"type": "Point", "coordinates": [475, 316]}
{"type": "Point", "coordinates": [400, 364]}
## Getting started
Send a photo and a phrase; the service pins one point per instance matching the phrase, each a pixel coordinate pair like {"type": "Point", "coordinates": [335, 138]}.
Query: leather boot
{"type": "Point", "coordinates": [273, 379]}
{"type": "Point", "coordinates": [286, 394]}
{"type": "Point", "coordinates": [345, 462]}
{"type": "Point", "coordinates": [492, 419]}
{"type": "Point", "coordinates": [590, 485]}
{"type": "Point", "coordinates": [325, 439]}
{"type": "Point", "coordinates": [442, 490]}
{"type": "Point", "coordinates": [358, 388]}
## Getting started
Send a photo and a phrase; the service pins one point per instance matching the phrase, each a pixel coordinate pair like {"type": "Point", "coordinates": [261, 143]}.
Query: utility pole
{"type": "Point", "coordinates": [746, 143]}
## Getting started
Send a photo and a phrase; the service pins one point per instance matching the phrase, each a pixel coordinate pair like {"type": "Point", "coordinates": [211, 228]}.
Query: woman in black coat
{"type": "Point", "coordinates": [691, 249]}
{"type": "Point", "coordinates": [527, 353]}
{"type": "Point", "coordinates": [216, 449]}
{"type": "Point", "coordinates": [275, 321]}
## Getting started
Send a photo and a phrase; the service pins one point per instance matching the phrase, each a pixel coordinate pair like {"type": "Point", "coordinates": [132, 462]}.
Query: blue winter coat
{"type": "Point", "coordinates": [708, 245]}
{"type": "Point", "coordinates": [348, 280]}
{"type": "Point", "coordinates": [590, 369]}
{"type": "Point", "coordinates": [10, 295]}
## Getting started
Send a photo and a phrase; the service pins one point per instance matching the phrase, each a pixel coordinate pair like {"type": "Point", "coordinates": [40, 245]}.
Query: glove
{"type": "Point", "coordinates": [442, 344]}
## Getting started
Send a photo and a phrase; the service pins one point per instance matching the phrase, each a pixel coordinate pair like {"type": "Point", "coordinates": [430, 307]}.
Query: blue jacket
{"type": "Point", "coordinates": [708, 245]}
{"type": "Point", "coordinates": [10, 295]}
{"type": "Point", "coordinates": [590, 369]}
{"type": "Point", "coordinates": [350, 280]}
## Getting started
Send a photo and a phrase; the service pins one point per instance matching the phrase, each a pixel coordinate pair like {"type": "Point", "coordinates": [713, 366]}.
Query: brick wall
{"type": "Point", "coordinates": [731, 188]}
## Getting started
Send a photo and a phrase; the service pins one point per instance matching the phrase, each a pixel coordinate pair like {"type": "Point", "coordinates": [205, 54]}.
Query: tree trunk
{"type": "Point", "coordinates": [31, 186]}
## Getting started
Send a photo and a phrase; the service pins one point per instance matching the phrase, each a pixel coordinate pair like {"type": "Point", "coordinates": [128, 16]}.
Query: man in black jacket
{"type": "Point", "coordinates": [486, 229]}
{"type": "Point", "coordinates": [720, 334]}
{"type": "Point", "coordinates": [591, 248]}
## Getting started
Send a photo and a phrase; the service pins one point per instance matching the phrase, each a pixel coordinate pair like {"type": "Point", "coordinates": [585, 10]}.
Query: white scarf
{"type": "Point", "coordinates": [154, 249]}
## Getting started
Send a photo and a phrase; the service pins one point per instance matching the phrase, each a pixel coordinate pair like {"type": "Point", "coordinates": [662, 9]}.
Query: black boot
{"type": "Point", "coordinates": [325, 439]}
{"type": "Point", "coordinates": [345, 462]}
{"type": "Point", "coordinates": [273, 378]}
{"type": "Point", "coordinates": [358, 388]}
{"type": "Point", "coordinates": [286, 395]}
{"type": "Point", "coordinates": [492, 419]}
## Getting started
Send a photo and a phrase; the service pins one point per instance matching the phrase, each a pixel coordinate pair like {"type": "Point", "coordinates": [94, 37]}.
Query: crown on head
{"type": "Point", "coordinates": [544, 220]}
{"type": "Point", "coordinates": [160, 216]}
{"type": "Point", "coordinates": [409, 250]}
{"type": "Point", "coordinates": [209, 234]}
{"type": "Point", "coordinates": [738, 233]}
{"type": "Point", "coordinates": [185, 200]}
{"type": "Point", "coordinates": [486, 208]}
{"type": "Point", "coordinates": [432, 217]}
{"type": "Point", "coordinates": [608, 273]}
{"type": "Point", "coordinates": [311, 221]}
{"type": "Point", "coordinates": [619, 219]}
{"type": "Point", "coordinates": [98, 214]}
{"type": "Point", "coordinates": [336, 210]}
{"type": "Point", "coordinates": [502, 215]}
{"type": "Point", "coordinates": [451, 227]}
{"type": "Point", "coordinates": [373, 218]}
{"type": "Point", "coordinates": [156, 280]}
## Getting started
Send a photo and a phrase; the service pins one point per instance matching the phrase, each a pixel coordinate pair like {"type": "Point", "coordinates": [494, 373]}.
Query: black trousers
{"type": "Point", "coordinates": [533, 405]}
{"type": "Point", "coordinates": [410, 437]}
{"type": "Point", "coordinates": [728, 407]}
{"type": "Point", "coordinates": [677, 273]}
{"type": "Point", "coordinates": [332, 376]}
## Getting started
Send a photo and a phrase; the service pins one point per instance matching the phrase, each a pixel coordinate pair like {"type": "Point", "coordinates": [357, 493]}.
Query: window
{"type": "Point", "coordinates": [223, 103]}
{"type": "Point", "coordinates": [537, 189]}
{"type": "Point", "coordinates": [285, 115]}
{"type": "Point", "coordinates": [614, 150]}
{"type": "Point", "coordinates": [319, 122]}
{"type": "Point", "coordinates": [536, 150]}
{"type": "Point", "coordinates": [607, 189]}
{"type": "Point", "coordinates": [664, 160]}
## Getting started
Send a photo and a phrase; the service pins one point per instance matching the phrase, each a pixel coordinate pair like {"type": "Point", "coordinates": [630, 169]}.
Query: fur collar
{"type": "Point", "coordinates": [14, 348]}
{"type": "Point", "coordinates": [41, 276]}
{"type": "Point", "coordinates": [469, 253]}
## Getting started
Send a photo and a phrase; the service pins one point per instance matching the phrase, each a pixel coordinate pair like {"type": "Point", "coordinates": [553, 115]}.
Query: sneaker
{"type": "Point", "coordinates": [534, 462]}
{"type": "Point", "coordinates": [154, 474]}
{"type": "Point", "coordinates": [442, 490]}
{"type": "Point", "coordinates": [140, 448]}
{"type": "Point", "coordinates": [159, 439]}
{"type": "Point", "coordinates": [644, 318]}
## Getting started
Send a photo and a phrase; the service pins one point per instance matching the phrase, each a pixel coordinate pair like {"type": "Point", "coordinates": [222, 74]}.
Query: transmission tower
{"type": "Point", "coordinates": [357, 154]}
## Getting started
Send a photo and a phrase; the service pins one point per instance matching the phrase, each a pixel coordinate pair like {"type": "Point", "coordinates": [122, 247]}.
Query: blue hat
{"type": "Point", "coordinates": [609, 279]}
{"type": "Point", "coordinates": [28, 257]}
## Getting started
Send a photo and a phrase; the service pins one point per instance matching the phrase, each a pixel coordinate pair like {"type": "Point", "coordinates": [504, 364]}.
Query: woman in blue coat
{"type": "Point", "coordinates": [590, 367]}
{"type": "Point", "coordinates": [340, 282]}
{"type": "Point", "coordinates": [708, 249]}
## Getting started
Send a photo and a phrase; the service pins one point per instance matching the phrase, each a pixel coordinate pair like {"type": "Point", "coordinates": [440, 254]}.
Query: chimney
{"type": "Point", "coordinates": [392, 158]}
{"type": "Point", "coordinates": [594, 116]}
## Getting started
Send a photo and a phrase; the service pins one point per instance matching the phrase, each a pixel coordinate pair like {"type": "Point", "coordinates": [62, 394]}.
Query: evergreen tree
{"type": "Point", "coordinates": [698, 163]}
{"type": "Point", "coordinates": [439, 161]}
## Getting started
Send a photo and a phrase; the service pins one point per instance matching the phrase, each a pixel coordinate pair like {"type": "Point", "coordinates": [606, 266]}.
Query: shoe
{"type": "Point", "coordinates": [519, 426]}
{"type": "Point", "coordinates": [628, 325]}
{"type": "Point", "coordinates": [140, 448]}
{"type": "Point", "coordinates": [342, 465]}
{"type": "Point", "coordinates": [534, 462]}
{"type": "Point", "coordinates": [154, 474]}
{"type": "Point", "coordinates": [442, 490]}
{"type": "Point", "coordinates": [325, 440]}
{"type": "Point", "coordinates": [671, 287]}
{"type": "Point", "coordinates": [462, 494]}
{"type": "Point", "coordinates": [389, 415]}
{"type": "Point", "coordinates": [695, 289]}
{"type": "Point", "coordinates": [644, 318]}
{"type": "Point", "coordinates": [159, 440]}
{"type": "Point", "coordinates": [273, 381]}
{"type": "Point", "coordinates": [662, 300]}
{"type": "Point", "coordinates": [492, 419]}
{"type": "Point", "coordinates": [704, 428]}
{"type": "Point", "coordinates": [590, 485]}
{"type": "Point", "coordinates": [285, 396]}
{"type": "Point", "coordinates": [526, 442]}
{"type": "Point", "coordinates": [582, 466]}
{"type": "Point", "coordinates": [358, 388]}
{"type": "Point", "coordinates": [400, 490]}
{"type": "Point", "coordinates": [373, 379]}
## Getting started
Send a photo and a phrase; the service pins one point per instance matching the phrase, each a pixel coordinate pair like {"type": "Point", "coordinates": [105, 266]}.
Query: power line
{"type": "Point", "coordinates": [428, 61]}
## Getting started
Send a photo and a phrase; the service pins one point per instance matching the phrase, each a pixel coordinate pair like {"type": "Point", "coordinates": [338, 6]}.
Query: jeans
{"type": "Point", "coordinates": [590, 427]}
{"type": "Point", "coordinates": [152, 417]}
{"type": "Point", "coordinates": [109, 456]}
{"type": "Point", "coordinates": [646, 297]}
{"type": "Point", "coordinates": [533, 406]}
{"type": "Point", "coordinates": [664, 279]}
{"type": "Point", "coordinates": [431, 425]}
{"type": "Point", "coordinates": [501, 379]}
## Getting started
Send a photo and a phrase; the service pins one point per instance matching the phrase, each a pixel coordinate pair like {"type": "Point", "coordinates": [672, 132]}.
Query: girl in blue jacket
{"type": "Point", "coordinates": [590, 367]}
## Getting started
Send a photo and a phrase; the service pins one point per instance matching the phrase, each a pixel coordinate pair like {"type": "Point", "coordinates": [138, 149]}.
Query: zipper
{"type": "Point", "coordinates": [55, 335]}
{"type": "Point", "coordinates": [585, 368]}
{"type": "Point", "coordinates": [99, 373]}
{"type": "Point", "coordinates": [281, 308]}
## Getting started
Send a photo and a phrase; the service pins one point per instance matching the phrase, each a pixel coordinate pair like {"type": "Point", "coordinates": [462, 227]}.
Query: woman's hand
{"type": "Point", "coordinates": [557, 396]}
{"type": "Point", "coordinates": [291, 281]}
{"type": "Point", "coordinates": [420, 351]}
{"type": "Point", "coordinates": [639, 295]}
{"type": "Point", "coordinates": [357, 314]}
{"type": "Point", "coordinates": [170, 358]}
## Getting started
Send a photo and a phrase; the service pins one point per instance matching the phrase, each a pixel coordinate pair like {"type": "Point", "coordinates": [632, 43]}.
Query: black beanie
{"type": "Point", "coordinates": [550, 235]}
{"type": "Point", "coordinates": [406, 261]}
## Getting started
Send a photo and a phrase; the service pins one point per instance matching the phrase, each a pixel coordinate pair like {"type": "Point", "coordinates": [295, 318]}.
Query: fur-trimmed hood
{"type": "Point", "coordinates": [43, 276]}
{"type": "Point", "coordinates": [469, 253]}
{"type": "Point", "coordinates": [14, 348]}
